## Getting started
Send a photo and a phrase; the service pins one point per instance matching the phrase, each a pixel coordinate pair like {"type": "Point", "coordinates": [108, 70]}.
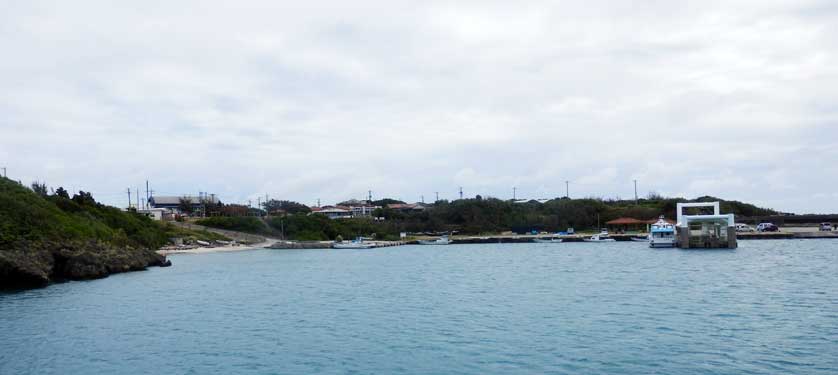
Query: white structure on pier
{"type": "Point", "coordinates": [705, 231]}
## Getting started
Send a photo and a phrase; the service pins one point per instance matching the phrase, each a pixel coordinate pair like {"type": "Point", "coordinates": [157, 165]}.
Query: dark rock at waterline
{"type": "Point", "coordinates": [28, 265]}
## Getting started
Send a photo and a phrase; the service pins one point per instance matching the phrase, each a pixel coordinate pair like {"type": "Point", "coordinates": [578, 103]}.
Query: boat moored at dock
{"type": "Point", "coordinates": [601, 237]}
{"type": "Point", "coordinates": [662, 234]}
{"type": "Point", "coordinates": [444, 240]}
{"type": "Point", "coordinates": [357, 243]}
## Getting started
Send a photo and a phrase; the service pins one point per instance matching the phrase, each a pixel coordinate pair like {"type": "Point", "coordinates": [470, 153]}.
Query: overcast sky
{"type": "Point", "coordinates": [308, 100]}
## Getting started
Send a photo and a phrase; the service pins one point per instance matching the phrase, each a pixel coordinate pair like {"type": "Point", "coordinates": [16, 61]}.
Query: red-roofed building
{"type": "Point", "coordinates": [630, 224]}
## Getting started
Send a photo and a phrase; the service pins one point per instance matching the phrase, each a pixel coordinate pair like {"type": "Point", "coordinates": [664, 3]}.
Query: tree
{"type": "Point", "coordinates": [384, 202]}
{"type": "Point", "coordinates": [289, 207]}
{"type": "Point", "coordinates": [40, 188]}
{"type": "Point", "coordinates": [185, 205]}
{"type": "Point", "coordinates": [84, 198]}
{"type": "Point", "coordinates": [60, 192]}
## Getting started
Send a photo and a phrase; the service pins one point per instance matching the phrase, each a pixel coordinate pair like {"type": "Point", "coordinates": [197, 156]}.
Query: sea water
{"type": "Point", "coordinates": [768, 307]}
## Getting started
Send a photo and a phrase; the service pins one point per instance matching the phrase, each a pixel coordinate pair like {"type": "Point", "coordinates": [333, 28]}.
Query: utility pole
{"type": "Point", "coordinates": [318, 202]}
{"type": "Point", "coordinates": [369, 195]}
{"type": "Point", "coordinates": [129, 197]}
{"type": "Point", "coordinates": [423, 199]}
{"type": "Point", "coordinates": [514, 191]}
{"type": "Point", "coordinates": [146, 194]}
{"type": "Point", "coordinates": [635, 192]}
{"type": "Point", "coordinates": [201, 198]}
{"type": "Point", "coordinates": [437, 196]}
{"type": "Point", "coordinates": [461, 193]}
{"type": "Point", "coordinates": [567, 188]}
{"type": "Point", "coordinates": [138, 199]}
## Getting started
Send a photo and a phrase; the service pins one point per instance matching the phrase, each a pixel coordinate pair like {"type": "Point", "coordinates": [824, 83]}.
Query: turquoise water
{"type": "Point", "coordinates": [769, 307]}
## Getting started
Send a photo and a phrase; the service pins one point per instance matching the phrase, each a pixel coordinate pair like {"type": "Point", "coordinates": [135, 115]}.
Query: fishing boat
{"type": "Point", "coordinates": [601, 237]}
{"type": "Point", "coordinates": [357, 243]}
{"type": "Point", "coordinates": [547, 240]}
{"type": "Point", "coordinates": [444, 240]}
{"type": "Point", "coordinates": [662, 234]}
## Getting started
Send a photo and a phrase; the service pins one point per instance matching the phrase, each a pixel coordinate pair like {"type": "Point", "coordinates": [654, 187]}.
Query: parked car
{"type": "Point", "coordinates": [767, 227]}
{"type": "Point", "coordinates": [826, 227]}
{"type": "Point", "coordinates": [740, 227]}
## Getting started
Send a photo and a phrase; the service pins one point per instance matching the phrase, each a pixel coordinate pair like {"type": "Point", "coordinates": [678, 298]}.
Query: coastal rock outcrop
{"type": "Point", "coordinates": [29, 264]}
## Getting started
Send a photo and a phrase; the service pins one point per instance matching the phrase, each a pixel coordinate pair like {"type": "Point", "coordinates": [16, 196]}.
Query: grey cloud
{"type": "Point", "coordinates": [328, 100]}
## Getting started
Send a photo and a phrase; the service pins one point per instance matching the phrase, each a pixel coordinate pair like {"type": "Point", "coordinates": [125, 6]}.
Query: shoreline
{"type": "Point", "coordinates": [220, 249]}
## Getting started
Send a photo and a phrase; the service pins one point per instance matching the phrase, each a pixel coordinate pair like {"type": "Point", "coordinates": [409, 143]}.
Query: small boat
{"type": "Point", "coordinates": [444, 240]}
{"type": "Point", "coordinates": [357, 243]}
{"type": "Point", "coordinates": [662, 234]}
{"type": "Point", "coordinates": [602, 237]}
{"type": "Point", "coordinates": [547, 240]}
{"type": "Point", "coordinates": [640, 239]}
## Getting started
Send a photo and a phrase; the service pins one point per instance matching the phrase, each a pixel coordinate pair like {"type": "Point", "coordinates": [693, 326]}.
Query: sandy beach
{"type": "Point", "coordinates": [219, 249]}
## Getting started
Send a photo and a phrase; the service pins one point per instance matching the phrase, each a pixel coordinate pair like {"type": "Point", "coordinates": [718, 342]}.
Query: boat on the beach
{"type": "Point", "coordinates": [547, 240]}
{"type": "Point", "coordinates": [444, 240]}
{"type": "Point", "coordinates": [662, 234]}
{"type": "Point", "coordinates": [357, 243]}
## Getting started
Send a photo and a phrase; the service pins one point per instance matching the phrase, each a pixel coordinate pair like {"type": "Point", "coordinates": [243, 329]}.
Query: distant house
{"type": "Point", "coordinates": [363, 210]}
{"type": "Point", "coordinates": [173, 202]}
{"type": "Point", "coordinates": [333, 212]}
{"type": "Point", "coordinates": [159, 214]}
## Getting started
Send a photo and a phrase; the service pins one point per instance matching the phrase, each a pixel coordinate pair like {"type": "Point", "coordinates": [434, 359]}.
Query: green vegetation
{"type": "Point", "coordinates": [289, 207]}
{"type": "Point", "coordinates": [27, 216]}
{"type": "Point", "coordinates": [46, 237]}
{"type": "Point", "coordinates": [247, 224]}
{"type": "Point", "coordinates": [319, 227]}
{"type": "Point", "coordinates": [189, 235]}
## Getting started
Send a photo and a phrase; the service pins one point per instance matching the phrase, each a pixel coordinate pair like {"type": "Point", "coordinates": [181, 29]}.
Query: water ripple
{"type": "Point", "coordinates": [768, 307]}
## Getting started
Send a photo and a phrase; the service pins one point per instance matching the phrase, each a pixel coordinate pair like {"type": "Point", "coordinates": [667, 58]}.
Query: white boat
{"type": "Point", "coordinates": [602, 237]}
{"type": "Point", "coordinates": [547, 240]}
{"type": "Point", "coordinates": [358, 243]}
{"type": "Point", "coordinates": [444, 240]}
{"type": "Point", "coordinates": [662, 234]}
